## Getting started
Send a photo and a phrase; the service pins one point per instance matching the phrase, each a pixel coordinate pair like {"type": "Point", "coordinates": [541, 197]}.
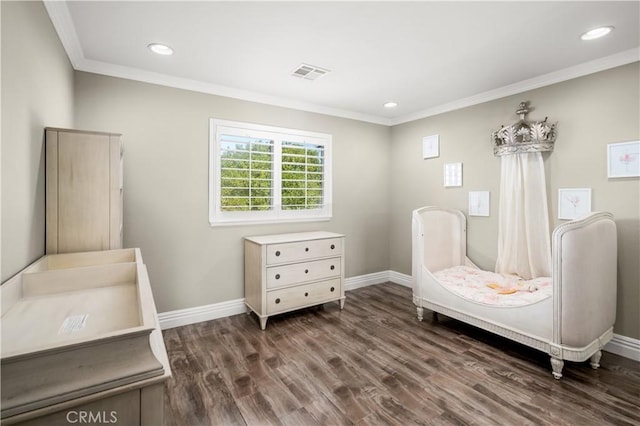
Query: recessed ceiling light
{"type": "Point", "coordinates": [160, 49]}
{"type": "Point", "coordinates": [390, 105]}
{"type": "Point", "coordinates": [596, 33]}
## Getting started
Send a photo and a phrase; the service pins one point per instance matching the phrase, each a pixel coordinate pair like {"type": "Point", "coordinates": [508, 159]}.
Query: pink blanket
{"type": "Point", "coordinates": [494, 289]}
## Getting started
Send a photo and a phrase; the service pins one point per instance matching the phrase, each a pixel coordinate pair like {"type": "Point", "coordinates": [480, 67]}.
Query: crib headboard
{"type": "Point", "coordinates": [440, 237]}
{"type": "Point", "coordinates": [585, 261]}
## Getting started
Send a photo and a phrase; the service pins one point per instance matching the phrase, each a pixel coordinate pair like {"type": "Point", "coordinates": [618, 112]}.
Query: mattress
{"type": "Point", "coordinates": [490, 288]}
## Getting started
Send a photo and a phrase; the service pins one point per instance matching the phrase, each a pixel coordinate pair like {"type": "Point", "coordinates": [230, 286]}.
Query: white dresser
{"type": "Point", "coordinates": [285, 272]}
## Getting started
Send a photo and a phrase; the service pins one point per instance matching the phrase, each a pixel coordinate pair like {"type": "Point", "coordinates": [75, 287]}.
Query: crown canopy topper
{"type": "Point", "coordinates": [524, 136]}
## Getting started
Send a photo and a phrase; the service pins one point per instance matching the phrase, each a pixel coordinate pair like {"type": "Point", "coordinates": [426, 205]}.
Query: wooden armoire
{"type": "Point", "coordinates": [83, 191]}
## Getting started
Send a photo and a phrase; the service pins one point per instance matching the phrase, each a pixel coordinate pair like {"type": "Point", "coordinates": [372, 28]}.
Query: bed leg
{"type": "Point", "coordinates": [420, 313]}
{"type": "Point", "coordinates": [595, 360]}
{"type": "Point", "coordinates": [435, 316]}
{"type": "Point", "coordinates": [556, 366]}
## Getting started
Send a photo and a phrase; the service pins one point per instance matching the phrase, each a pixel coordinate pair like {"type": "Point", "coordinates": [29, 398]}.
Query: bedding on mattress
{"type": "Point", "coordinates": [494, 289]}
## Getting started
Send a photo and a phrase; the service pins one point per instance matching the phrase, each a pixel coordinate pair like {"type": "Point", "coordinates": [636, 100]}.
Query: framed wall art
{"type": "Point", "coordinates": [623, 159]}
{"type": "Point", "coordinates": [453, 174]}
{"type": "Point", "coordinates": [573, 202]}
{"type": "Point", "coordinates": [430, 146]}
{"type": "Point", "coordinates": [479, 203]}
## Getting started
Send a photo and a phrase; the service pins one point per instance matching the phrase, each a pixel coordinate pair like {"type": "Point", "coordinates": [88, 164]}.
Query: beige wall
{"type": "Point", "coordinates": [591, 112]}
{"type": "Point", "coordinates": [37, 91]}
{"type": "Point", "coordinates": [166, 142]}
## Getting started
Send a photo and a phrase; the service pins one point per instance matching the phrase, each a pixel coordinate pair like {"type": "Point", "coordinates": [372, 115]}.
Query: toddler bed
{"type": "Point", "coordinates": [570, 315]}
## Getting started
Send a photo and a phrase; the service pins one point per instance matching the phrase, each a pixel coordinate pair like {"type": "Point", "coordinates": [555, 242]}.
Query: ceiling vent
{"type": "Point", "coordinates": [309, 72]}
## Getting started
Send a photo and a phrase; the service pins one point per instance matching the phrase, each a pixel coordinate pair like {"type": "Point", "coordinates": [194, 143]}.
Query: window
{"type": "Point", "coordinates": [260, 174]}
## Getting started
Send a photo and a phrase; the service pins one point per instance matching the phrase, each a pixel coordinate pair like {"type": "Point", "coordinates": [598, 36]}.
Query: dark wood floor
{"type": "Point", "coordinates": [374, 364]}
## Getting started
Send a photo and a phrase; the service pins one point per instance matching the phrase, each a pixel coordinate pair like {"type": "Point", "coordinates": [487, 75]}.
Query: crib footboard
{"type": "Point", "coordinates": [584, 274]}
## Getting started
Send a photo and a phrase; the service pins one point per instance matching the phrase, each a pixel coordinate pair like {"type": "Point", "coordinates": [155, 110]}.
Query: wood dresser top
{"type": "Point", "coordinates": [290, 238]}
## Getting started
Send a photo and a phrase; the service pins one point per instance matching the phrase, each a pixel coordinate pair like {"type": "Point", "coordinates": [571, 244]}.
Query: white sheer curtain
{"type": "Point", "coordinates": [524, 243]}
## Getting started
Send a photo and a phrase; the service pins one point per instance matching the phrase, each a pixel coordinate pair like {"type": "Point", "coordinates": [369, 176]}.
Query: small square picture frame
{"type": "Point", "coordinates": [453, 175]}
{"type": "Point", "coordinates": [430, 146]}
{"type": "Point", "coordinates": [623, 160]}
{"type": "Point", "coordinates": [573, 202]}
{"type": "Point", "coordinates": [479, 203]}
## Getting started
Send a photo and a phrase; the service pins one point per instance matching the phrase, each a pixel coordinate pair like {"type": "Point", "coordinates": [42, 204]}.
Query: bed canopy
{"type": "Point", "coordinates": [524, 245]}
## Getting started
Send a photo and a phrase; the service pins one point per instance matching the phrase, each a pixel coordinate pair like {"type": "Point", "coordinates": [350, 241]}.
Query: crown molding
{"type": "Point", "coordinates": [580, 70]}
{"type": "Point", "coordinates": [145, 76]}
{"type": "Point", "coordinates": [62, 22]}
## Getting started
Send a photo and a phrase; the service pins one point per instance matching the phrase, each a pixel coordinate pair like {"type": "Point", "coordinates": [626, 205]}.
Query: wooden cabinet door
{"type": "Point", "coordinates": [83, 192]}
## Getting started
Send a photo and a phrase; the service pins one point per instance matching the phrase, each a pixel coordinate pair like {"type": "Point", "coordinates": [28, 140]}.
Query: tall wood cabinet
{"type": "Point", "coordinates": [83, 191]}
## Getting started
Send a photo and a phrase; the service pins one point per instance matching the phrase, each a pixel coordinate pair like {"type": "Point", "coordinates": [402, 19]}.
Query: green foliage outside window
{"type": "Point", "coordinates": [247, 174]}
{"type": "Point", "coordinates": [302, 173]}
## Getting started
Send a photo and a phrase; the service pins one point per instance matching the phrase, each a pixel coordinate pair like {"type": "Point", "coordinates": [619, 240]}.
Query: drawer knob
{"type": "Point", "coordinates": [333, 246]}
{"type": "Point", "coordinates": [333, 288]}
{"type": "Point", "coordinates": [277, 276]}
{"type": "Point", "coordinates": [277, 300]}
{"type": "Point", "coordinates": [306, 271]}
{"type": "Point", "coordinates": [278, 253]}
{"type": "Point", "coordinates": [306, 294]}
{"type": "Point", "coordinates": [306, 249]}
{"type": "Point", "coordinates": [333, 267]}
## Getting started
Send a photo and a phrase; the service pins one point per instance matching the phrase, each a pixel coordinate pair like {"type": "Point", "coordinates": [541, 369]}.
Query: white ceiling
{"type": "Point", "coordinates": [429, 57]}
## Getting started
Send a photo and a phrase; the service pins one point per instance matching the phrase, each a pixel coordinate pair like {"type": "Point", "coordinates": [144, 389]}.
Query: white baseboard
{"type": "Point", "coordinates": [353, 283]}
{"type": "Point", "coordinates": [359, 281]}
{"type": "Point", "coordinates": [624, 346]}
{"type": "Point", "coordinates": [398, 278]}
{"type": "Point", "coordinates": [619, 345]}
{"type": "Point", "coordinates": [188, 316]}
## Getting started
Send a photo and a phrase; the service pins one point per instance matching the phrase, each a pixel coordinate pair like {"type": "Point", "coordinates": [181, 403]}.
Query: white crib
{"type": "Point", "coordinates": [572, 324]}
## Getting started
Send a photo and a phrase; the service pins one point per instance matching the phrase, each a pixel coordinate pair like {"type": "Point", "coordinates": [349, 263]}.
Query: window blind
{"type": "Point", "coordinates": [246, 173]}
{"type": "Point", "coordinates": [302, 176]}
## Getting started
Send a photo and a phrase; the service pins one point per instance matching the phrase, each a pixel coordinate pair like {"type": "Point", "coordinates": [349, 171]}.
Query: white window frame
{"type": "Point", "coordinates": [218, 217]}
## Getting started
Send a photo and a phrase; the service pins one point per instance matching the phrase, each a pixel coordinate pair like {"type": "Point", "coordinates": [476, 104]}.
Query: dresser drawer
{"type": "Point", "coordinates": [284, 275]}
{"type": "Point", "coordinates": [303, 250]}
{"type": "Point", "coordinates": [303, 295]}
